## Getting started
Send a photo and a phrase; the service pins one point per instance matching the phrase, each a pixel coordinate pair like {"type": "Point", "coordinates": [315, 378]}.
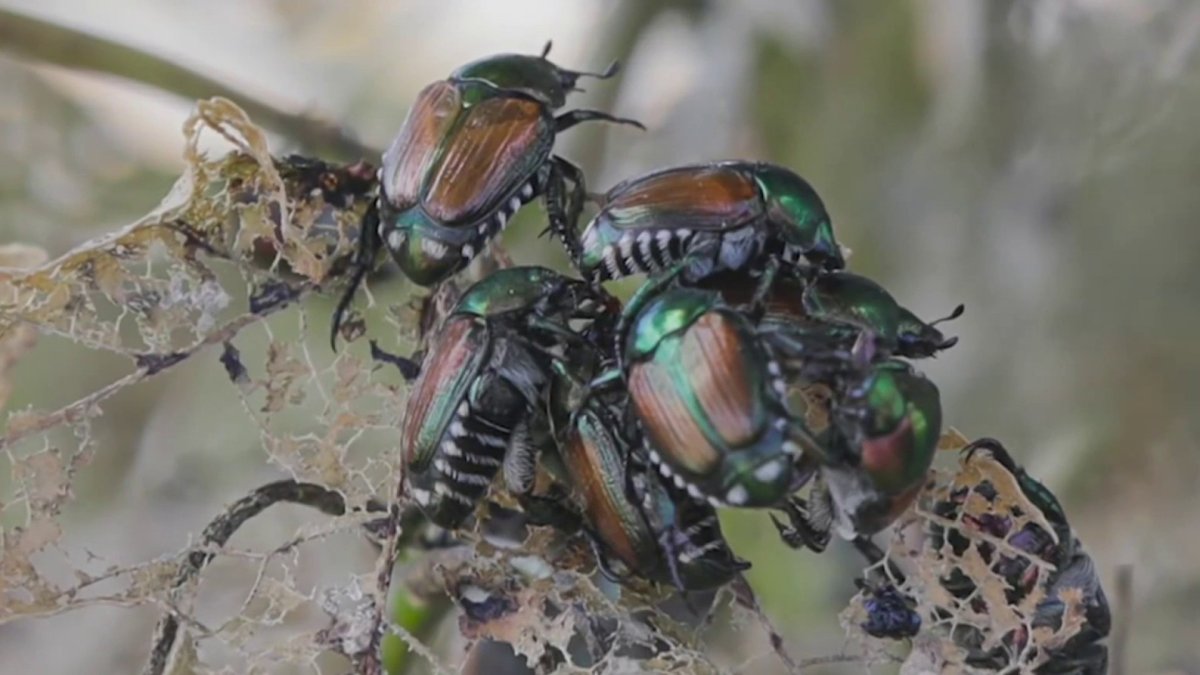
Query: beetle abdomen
{"type": "Point", "coordinates": [469, 454]}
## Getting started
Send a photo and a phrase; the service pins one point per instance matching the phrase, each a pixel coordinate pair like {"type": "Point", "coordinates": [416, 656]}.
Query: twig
{"type": "Point", "coordinates": [804, 664]}
{"type": "Point", "coordinates": [218, 532]}
{"type": "Point", "coordinates": [52, 43]}
{"type": "Point", "coordinates": [745, 597]}
{"type": "Point", "coordinates": [371, 662]}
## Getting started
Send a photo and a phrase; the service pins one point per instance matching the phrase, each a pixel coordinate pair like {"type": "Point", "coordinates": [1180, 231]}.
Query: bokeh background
{"type": "Point", "coordinates": [1036, 160]}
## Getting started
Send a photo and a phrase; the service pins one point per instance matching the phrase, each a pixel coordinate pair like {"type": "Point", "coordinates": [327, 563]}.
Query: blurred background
{"type": "Point", "coordinates": [1037, 161]}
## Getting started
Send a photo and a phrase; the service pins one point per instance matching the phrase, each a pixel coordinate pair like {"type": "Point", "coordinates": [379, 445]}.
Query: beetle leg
{"type": "Point", "coordinates": [569, 78]}
{"type": "Point", "coordinates": [520, 460]}
{"type": "Point", "coordinates": [409, 368]}
{"type": "Point", "coordinates": [1034, 490]}
{"type": "Point", "coordinates": [369, 244]}
{"type": "Point", "coordinates": [604, 381]}
{"type": "Point", "coordinates": [602, 562]}
{"type": "Point", "coordinates": [803, 530]}
{"type": "Point", "coordinates": [758, 303]}
{"type": "Point", "coordinates": [997, 451]}
{"type": "Point", "coordinates": [569, 119]}
{"type": "Point", "coordinates": [666, 542]}
{"type": "Point", "coordinates": [563, 206]}
{"type": "Point", "coordinates": [555, 330]}
{"type": "Point", "coordinates": [810, 355]}
{"type": "Point", "coordinates": [550, 511]}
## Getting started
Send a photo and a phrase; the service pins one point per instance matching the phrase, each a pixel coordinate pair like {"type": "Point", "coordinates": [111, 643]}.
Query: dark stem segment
{"type": "Point", "coordinates": [215, 536]}
{"type": "Point", "coordinates": [744, 595]}
{"type": "Point", "coordinates": [79, 50]}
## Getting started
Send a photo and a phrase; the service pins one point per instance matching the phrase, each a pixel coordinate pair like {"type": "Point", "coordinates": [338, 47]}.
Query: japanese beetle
{"type": "Point", "coordinates": [850, 302]}
{"type": "Point", "coordinates": [730, 215]}
{"type": "Point", "coordinates": [639, 524]}
{"type": "Point", "coordinates": [485, 374]}
{"type": "Point", "coordinates": [708, 392]}
{"type": "Point", "coordinates": [474, 148]}
{"type": "Point", "coordinates": [885, 430]}
{"type": "Point", "coordinates": [1045, 535]}
{"type": "Point", "coordinates": [859, 302]}
{"type": "Point", "coordinates": [885, 425]}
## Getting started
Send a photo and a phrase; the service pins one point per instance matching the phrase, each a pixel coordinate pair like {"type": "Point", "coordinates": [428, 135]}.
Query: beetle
{"type": "Point", "coordinates": [726, 215]}
{"type": "Point", "coordinates": [1073, 571]}
{"type": "Point", "coordinates": [861, 303]}
{"type": "Point", "coordinates": [474, 148]}
{"type": "Point", "coordinates": [482, 379]}
{"type": "Point", "coordinates": [885, 425]}
{"type": "Point", "coordinates": [640, 525]}
{"type": "Point", "coordinates": [707, 390]}
{"type": "Point", "coordinates": [850, 302]}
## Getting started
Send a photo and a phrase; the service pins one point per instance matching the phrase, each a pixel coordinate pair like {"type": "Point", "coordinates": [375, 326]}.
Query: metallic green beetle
{"type": "Point", "coordinates": [839, 302]}
{"type": "Point", "coordinates": [1073, 572]}
{"type": "Point", "coordinates": [708, 392]}
{"type": "Point", "coordinates": [731, 215]}
{"type": "Point", "coordinates": [886, 426]}
{"type": "Point", "coordinates": [474, 148]}
{"type": "Point", "coordinates": [842, 297]}
{"type": "Point", "coordinates": [484, 376]}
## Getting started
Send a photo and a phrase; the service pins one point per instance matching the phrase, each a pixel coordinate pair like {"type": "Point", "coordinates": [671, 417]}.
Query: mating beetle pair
{"type": "Point", "coordinates": [708, 385]}
{"type": "Point", "coordinates": [492, 372]}
{"type": "Point", "coordinates": [838, 305]}
{"type": "Point", "coordinates": [468, 411]}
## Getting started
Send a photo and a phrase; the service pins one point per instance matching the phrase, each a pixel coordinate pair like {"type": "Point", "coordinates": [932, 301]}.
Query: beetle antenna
{"type": "Point", "coordinates": [612, 69]}
{"type": "Point", "coordinates": [409, 368]}
{"type": "Point", "coordinates": [546, 49]}
{"type": "Point", "coordinates": [570, 77]}
{"type": "Point", "coordinates": [958, 311]}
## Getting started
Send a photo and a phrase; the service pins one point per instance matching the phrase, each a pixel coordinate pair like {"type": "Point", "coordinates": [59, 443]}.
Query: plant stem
{"type": "Point", "coordinates": [49, 42]}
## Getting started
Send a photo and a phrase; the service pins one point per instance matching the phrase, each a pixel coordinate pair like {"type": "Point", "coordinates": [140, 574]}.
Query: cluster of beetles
{"type": "Point", "coordinates": [749, 367]}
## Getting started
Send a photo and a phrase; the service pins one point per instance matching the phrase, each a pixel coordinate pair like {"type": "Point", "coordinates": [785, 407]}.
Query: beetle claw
{"type": "Point", "coordinates": [998, 452]}
{"type": "Point", "coordinates": [409, 368]}
{"type": "Point", "coordinates": [339, 312]}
